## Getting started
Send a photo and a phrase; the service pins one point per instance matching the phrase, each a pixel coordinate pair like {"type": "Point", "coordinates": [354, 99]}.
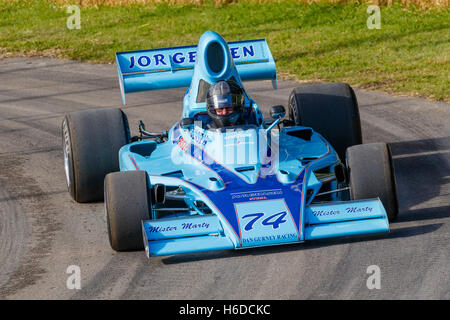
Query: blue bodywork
{"type": "Point", "coordinates": [246, 186]}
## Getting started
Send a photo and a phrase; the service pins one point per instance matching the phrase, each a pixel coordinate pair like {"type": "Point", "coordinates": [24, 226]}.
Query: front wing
{"type": "Point", "coordinates": [263, 223]}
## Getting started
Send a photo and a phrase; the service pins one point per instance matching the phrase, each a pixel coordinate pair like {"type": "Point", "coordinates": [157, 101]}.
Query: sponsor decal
{"type": "Point", "coordinates": [244, 51]}
{"type": "Point", "coordinates": [237, 134]}
{"type": "Point", "coordinates": [254, 195]}
{"type": "Point", "coordinates": [182, 226]}
{"type": "Point", "coordinates": [320, 213]}
{"type": "Point", "coordinates": [200, 137]}
{"type": "Point", "coordinates": [161, 229]}
{"type": "Point", "coordinates": [257, 198]}
{"type": "Point", "coordinates": [236, 137]}
{"type": "Point", "coordinates": [159, 59]}
{"type": "Point", "coordinates": [190, 226]}
{"type": "Point", "coordinates": [359, 210]}
{"type": "Point", "coordinates": [347, 210]}
{"type": "Point", "coordinates": [146, 61]}
{"type": "Point", "coordinates": [182, 144]}
{"type": "Point", "coordinates": [274, 238]}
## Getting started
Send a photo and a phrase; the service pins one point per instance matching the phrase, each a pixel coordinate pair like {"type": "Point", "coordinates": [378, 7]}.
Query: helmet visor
{"type": "Point", "coordinates": [223, 103]}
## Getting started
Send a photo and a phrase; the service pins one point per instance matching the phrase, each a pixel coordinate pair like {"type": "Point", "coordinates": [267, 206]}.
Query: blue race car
{"type": "Point", "coordinates": [224, 177]}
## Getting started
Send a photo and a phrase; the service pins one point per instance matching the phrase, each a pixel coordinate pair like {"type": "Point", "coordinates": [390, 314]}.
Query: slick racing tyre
{"type": "Point", "coordinates": [330, 109]}
{"type": "Point", "coordinates": [91, 142]}
{"type": "Point", "coordinates": [127, 203]}
{"type": "Point", "coordinates": [371, 175]}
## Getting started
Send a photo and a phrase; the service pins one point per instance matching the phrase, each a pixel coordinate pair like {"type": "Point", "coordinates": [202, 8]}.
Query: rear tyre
{"type": "Point", "coordinates": [127, 203]}
{"type": "Point", "coordinates": [371, 175]}
{"type": "Point", "coordinates": [331, 109]}
{"type": "Point", "coordinates": [91, 143]}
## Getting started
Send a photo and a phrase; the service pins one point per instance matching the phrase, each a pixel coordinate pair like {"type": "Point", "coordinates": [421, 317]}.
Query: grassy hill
{"type": "Point", "coordinates": [310, 42]}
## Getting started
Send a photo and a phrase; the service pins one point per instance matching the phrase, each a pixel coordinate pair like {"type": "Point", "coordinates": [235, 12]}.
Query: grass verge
{"type": "Point", "coordinates": [317, 42]}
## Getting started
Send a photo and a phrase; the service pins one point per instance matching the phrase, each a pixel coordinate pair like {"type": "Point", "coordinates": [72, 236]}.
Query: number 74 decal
{"type": "Point", "coordinates": [274, 220]}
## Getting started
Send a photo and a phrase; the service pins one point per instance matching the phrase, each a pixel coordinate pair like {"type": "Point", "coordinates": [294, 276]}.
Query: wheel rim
{"type": "Point", "coordinates": [66, 168]}
{"type": "Point", "coordinates": [292, 106]}
{"type": "Point", "coordinates": [66, 151]}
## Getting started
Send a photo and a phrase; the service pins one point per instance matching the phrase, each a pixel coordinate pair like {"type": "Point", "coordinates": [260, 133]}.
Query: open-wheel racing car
{"type": "Point", "coordinates": [209, 185]}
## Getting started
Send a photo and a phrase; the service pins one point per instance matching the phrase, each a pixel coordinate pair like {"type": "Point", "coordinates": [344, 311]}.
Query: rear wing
{"type": "Point", "coordinates": [168, 68]}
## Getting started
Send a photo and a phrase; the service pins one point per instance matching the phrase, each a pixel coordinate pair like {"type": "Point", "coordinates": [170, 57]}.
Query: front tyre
{"type": "Point", "coordinates": [127, 203]}
{"type": "Point", "coordinates": [371, 175]}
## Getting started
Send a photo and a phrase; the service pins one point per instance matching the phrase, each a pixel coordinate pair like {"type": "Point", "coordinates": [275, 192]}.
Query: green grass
{"type": "Point", "coordinates": [408, 55]}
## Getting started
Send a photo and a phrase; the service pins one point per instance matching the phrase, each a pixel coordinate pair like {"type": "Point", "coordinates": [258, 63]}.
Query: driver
{"type": "Point", "coordinates": [225, 103]}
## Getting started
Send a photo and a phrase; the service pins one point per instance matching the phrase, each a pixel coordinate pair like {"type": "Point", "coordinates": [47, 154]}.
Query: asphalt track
{"type": "Point", "coordinates": [42, 231]}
